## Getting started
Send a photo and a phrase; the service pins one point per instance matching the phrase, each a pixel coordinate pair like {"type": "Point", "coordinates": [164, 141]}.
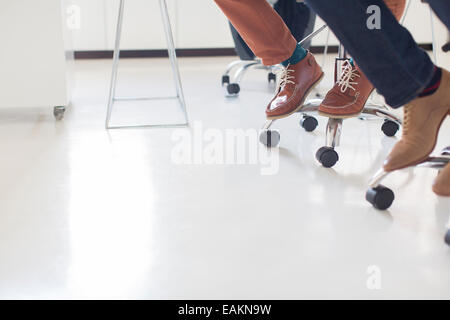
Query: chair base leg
{"type": "Point", "coordinates": [376, 188]}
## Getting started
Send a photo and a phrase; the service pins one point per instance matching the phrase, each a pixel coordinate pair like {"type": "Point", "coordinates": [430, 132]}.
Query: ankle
{"type": "Point", "coordinates": [298, 55]}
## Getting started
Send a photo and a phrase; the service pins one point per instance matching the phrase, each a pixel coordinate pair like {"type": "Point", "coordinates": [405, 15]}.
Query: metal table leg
{"type": "Point", "coordinates": [174, 66]}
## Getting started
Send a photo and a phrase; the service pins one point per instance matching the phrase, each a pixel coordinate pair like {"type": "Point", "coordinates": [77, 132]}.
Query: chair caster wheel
{"type": "Point", "coordinates": [225, 80]}
{"type": "Point", "coordinates": [309, 123]}
{"type": "Point", "coordinates": [270, 138]}
{"type": "Point", "coordinates": [447, 237]}
{"type": "Point", "coordinates": [272, 77]}
{"type": "Point", "coordinates": [327, 156]}
{"type": "Point", "coordinates": [380, 197]}
{"type": "Point", "coordinates": [58, 112]}
{"type": "Point", "coordinates": [390, 128]}
{"type": "Point", "coordinates": [233, 89]}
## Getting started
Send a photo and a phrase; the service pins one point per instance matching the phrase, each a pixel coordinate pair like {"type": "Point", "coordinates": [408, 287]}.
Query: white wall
{"type": "Point", "coordinates": [197, 24]}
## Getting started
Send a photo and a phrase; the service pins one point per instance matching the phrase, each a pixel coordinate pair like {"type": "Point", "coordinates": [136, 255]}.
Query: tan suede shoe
{"type": "Point", "coordinates": [348, 96]}
{"type": "Point", "coordinates": [441, 185]}
{"type": "Point", "coordinates": [422, 120]}
{"type": "Point", "coordinates": [296, 83]}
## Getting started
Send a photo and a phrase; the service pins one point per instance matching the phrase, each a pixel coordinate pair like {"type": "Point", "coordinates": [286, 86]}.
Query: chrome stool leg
{"type": "Point", "coordinates": [318, 89]}
{"type": "Point", "coordinates": [174, 65]}
{"type": "Point", "coordinates": [391, 124]}
{"type": "Point", "coordinates": [327, 155]}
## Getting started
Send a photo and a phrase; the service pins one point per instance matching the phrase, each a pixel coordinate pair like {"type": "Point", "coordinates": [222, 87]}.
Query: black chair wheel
{"type": "Point", "coordinates": [380, 197]}
{"type": "Point", "coordinates": [327, 156]}
{"type": "Point", "coordinates": [270, 138]}
{"type": "Point", "coordinates": [233, 88]}
{"type": "Point", "coordinates": [309, 123]}
{"type": "Point", "coordinates": [272, 77]}
{"type": "Point", "coordinates": [447, 237]}
{"type": "Point", "coordinates": [225, 80]}
{"type": "Point", "coordinates": [58, 112]}
{"type": "Point", "coordinates": [390, 128]}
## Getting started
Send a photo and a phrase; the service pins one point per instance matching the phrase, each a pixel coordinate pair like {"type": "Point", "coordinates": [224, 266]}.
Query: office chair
{"type": "Point", "coordinates": [179, 97]}
{"type": "Point", "coordinates": [327, 155]}
{"type": "Point", "coordinates": [291, 12]}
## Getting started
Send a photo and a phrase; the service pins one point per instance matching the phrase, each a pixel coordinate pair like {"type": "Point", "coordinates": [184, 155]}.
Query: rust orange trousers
{"type": "Point", "coordinates": [265, 32]}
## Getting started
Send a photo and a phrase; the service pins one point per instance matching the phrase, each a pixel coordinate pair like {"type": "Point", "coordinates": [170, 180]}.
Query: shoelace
{"type": "Point", "coordinates": [347, 79]}
{"type": "Point", "coordinates": [286, 77]}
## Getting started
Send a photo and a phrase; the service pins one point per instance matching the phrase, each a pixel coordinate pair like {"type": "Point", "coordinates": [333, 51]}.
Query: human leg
{"type": "Point", "coordinates": [270, 39]}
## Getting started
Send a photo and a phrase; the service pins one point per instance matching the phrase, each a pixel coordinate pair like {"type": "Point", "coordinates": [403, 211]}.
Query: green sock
{"type": "Point", "coordinates": [297, 56]}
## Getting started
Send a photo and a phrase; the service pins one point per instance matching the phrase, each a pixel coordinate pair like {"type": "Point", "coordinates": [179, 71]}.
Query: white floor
{"type": "Point", "coordinates": [90, 213]}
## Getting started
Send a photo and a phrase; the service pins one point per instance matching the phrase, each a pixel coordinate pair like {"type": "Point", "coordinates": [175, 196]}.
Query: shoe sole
{"type": "Point", "coordinates": [425, 158]}
{"type": "Point", "coordinates": [441, 194]}
{"type": "Point", "coordinates": [344, 116]}
{"type": "Point", "coordinates": [300, 106]}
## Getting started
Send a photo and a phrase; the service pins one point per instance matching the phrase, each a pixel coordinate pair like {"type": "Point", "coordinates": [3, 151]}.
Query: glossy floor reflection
{"type": "Point", "coordinates": [90, 213]}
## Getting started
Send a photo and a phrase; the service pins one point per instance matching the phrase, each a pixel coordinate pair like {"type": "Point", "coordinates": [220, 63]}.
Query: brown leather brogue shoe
{"type": "Point", "coordinates": [348, 96]}
{"type": "Point", "coordinates": [441, 185]}
{"type": "Point", "coordinates": [421, 123]}
{"type": "Point", "coordinates": [296, 82]}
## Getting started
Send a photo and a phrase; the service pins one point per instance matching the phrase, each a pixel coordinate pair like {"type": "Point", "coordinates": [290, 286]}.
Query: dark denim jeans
{"type": "Point", "coordinates": [389, 56]}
